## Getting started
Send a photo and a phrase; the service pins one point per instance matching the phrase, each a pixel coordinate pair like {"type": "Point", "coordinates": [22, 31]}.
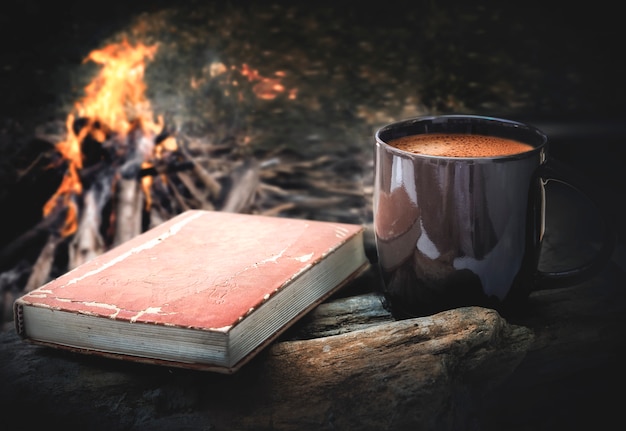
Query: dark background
{"type": "Point", "coordinates": [557, 66]}
{"type": "Point", "coordinates": [567, 58]}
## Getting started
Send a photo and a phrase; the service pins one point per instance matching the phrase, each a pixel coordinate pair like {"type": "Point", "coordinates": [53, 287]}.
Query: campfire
{"type": "Point", "coordinates": [125, 169]}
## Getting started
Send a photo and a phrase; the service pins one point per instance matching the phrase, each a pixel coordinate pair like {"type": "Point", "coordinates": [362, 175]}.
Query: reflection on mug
{"type": "Point", "coordinates": [459, 205]}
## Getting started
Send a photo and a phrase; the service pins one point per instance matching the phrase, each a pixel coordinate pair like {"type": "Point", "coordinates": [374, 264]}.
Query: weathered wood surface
{"type": "Point", "coordinates": [411, 374]}
{"type": "Point", "coordinates": [348, 365]}
{"type": "Point", "coordinates": [360, 370]}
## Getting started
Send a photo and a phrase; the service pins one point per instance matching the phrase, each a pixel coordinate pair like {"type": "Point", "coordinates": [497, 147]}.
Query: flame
{"type": "Point", "coordinates": [119, 88]}
{"type": "Point", "coordinates": [114, 103]}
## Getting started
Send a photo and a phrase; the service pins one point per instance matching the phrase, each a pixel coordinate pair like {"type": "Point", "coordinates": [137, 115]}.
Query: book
{"type": "Point", "coordinates": [204, 290]}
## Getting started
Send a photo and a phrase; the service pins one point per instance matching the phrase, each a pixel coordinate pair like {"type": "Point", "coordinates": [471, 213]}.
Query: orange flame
{"type": "Point", "coordinates": [114, 103]}
{"type": "Point", "coordinates": [119, 88]}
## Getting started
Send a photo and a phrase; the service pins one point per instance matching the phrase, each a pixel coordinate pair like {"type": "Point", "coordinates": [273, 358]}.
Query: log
{"type": "Point", "coordinates": [128, 210]}
{"type": "Point", "coordinates": [423, 373]}
{"type": "Point", "coordinates": [411, 374]}
{"type": "Point", "coordinates": [87, 242]}
{"type": "Point", "coordinates": [245, 179]}
{"type": "Point", "coordinates": [40, 273]}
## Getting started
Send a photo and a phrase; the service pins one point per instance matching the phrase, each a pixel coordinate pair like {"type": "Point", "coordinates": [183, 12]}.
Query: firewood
{"type": "Point", "coordinates": [314, 202]}
{"type": "Point", "coordinates": [200, 196]}
{"type": "Point", "coordinates": [128, 210]}
{"type": "Point", "coordinates": [87, 242]}
{"type": "Point", "coordinates": [275, 210]}
{"type": "Point", "coordinates": [178, 197]}
{"type": "Point", "coordinates": [342, 189]}
{"type": "Point", "coordinates": [41, 269]}
{"type": "Point", "coordinates": [213, 187]}
{"type": "Point", "coordinates": [245, 183]}
{"type": "Point", "coordinates": [272, 189]}
{"type": "Point", "coordinates": [165, 167]}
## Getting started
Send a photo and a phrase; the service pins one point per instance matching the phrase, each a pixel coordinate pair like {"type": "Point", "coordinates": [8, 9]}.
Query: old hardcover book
{"type": "Point", "coordinates": [204, 290]}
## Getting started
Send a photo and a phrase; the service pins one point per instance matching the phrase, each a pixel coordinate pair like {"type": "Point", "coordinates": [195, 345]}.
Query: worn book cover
{"type": "Point", "coordinates": [204, 290]}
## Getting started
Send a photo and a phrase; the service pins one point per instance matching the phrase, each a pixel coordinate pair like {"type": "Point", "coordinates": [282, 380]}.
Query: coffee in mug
{"type": "Point", "coordinates": [450, 145]}
{"type": "Point", "coordinates": [459, 214]}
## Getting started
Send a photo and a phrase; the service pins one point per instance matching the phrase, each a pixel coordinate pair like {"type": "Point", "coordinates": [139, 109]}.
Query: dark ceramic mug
{"type": "Point", "coordinates": [458, 231]}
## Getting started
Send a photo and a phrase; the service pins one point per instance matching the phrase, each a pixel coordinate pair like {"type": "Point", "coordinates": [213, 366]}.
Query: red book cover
{"type": "Point", "coordinates": [203, 271]}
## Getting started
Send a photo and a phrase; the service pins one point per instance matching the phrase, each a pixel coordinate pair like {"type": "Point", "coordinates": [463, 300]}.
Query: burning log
{"type": "Point", "coordinates": [88, 242]}
{"type": "Point", "coordinates": [128, 211]}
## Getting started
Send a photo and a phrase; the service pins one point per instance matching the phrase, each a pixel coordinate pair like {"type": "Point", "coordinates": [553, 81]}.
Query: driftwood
{"type": "Point", "coordinates": [359, 369]}
{"type": "Point", "coordinates": [412, 374]}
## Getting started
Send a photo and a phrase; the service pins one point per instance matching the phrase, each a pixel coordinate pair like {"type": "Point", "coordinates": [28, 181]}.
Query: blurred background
{"type": "Point", "coordinates": [535, 57]}
{"type": "Point", "coordinates": [301, 88]}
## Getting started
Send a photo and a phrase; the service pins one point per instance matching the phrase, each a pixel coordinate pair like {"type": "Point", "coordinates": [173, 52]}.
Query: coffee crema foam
{"type": "Point", "coordinates": [459, 145]}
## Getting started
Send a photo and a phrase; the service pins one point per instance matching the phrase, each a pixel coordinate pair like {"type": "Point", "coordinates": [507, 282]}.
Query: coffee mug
{"type": "Point", "coordinates": [459, 212]}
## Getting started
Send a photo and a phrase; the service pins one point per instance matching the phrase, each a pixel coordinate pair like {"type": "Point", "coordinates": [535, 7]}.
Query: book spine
{"type": "Point", "coordinates": [18, 318]}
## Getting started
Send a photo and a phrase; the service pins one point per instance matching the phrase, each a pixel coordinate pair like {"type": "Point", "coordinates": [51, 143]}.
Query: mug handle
{"type": "Point", "coordinates": [555, 171]}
